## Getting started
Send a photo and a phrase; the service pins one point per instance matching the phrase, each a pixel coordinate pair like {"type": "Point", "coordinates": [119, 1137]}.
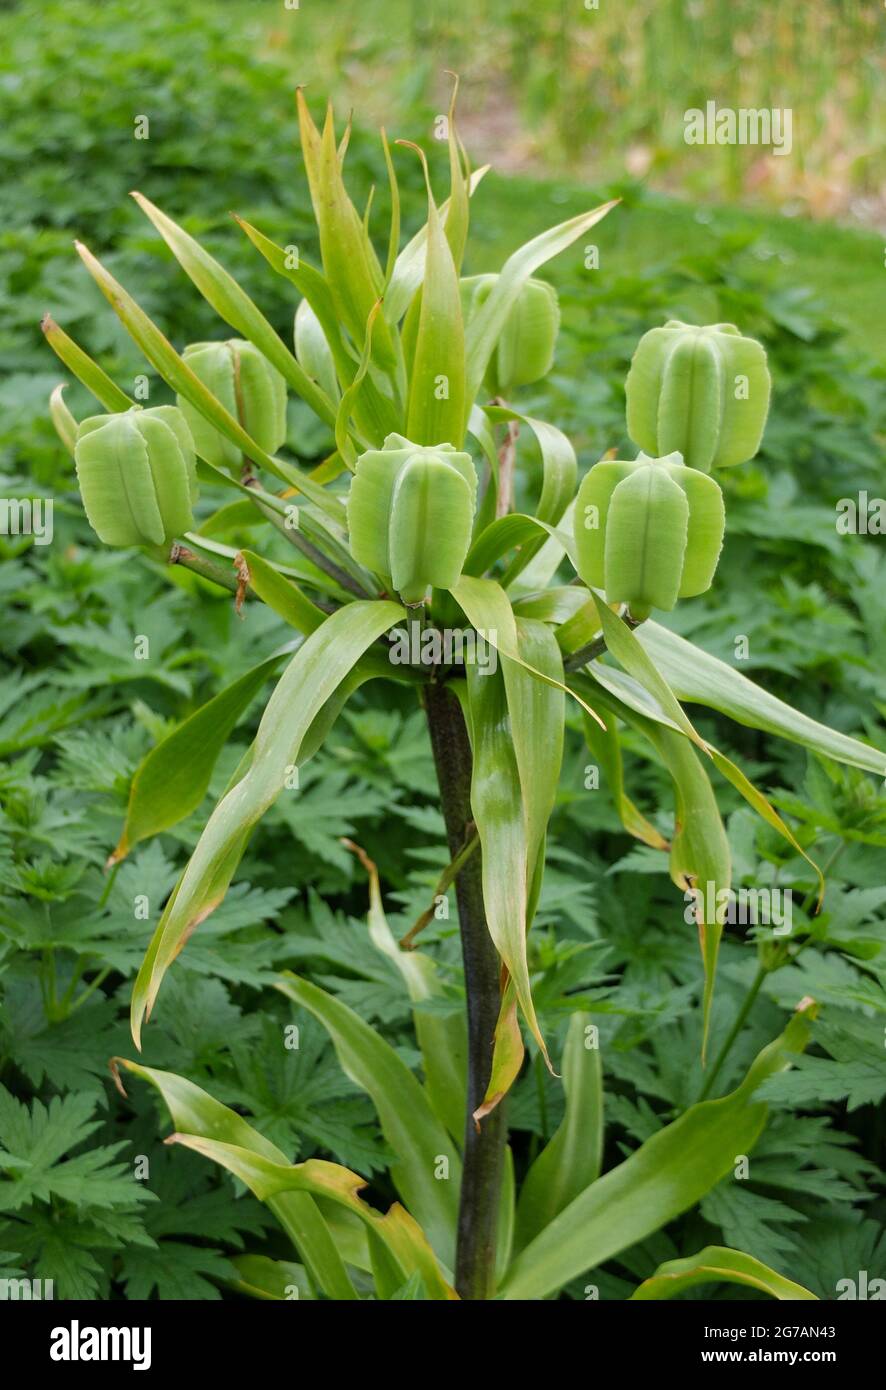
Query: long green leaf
{"type": "Point", "coordinates": [283, 595]}
{"type": "Point", "coordinates": [88, 372]}
{"type": "Point", "coordinates": [665, 1177]}
{"type": "Point", "coordinates": [485, 327]}
{"type": "Point", "coordinates": [497, 809]}
{"type": "Point", "coordinates": [417, 1137]}
{"type": "Point", "coordinates": [536, 711]}
{"type": "Point", "coordinates": [458, 204]}
{"type": "Point", "coordinates": [605, 744]}
{"type": "Point", "coordinates": [274, 1280]}
{"type": "Point", "coordinates": [410, 267]}
{"type": "Point", "coordinates": [436, 411]}
{"type": "Point", "coordinates": [488, 609]}
{"type": "Point", "coordinates": [179, 376]}
{"type": "Point", "coordinates": [197, 1113]}
{"type": "Point", "coordinates": [714, 1265]}
{"type": "Point", "coordinates": [442, 1038]}
{"type": "Point", "coordinates": [516, 725]}
{"type": "Point", "coordinates": [171, 780]}
{"type": "Point", "coordinates": [232, 304]}
{"type": "Point", "coordinates": [625, 646]}
{"type": "Point", "coordinates": [403, 1244]}
{"type": "Point", "coordinates": [700, 859]}
{"type": "Point", "coordinates": [312, 677]}
{"type": "Point", "coordinates": [700, 678]}
{"type": "Point", "coordinates": [572, 1159]}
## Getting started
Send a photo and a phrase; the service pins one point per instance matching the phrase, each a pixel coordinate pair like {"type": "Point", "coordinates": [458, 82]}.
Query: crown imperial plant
{"type": "Point", "coordinates": [525, 350]}
{"type": "Point", "coordinates": [410, 511]}
{"type": "Point", "coordinates": [248, 387]}
{"type": "Point", "coordinates": [424, 496]}
{"type": "Point", "coordinates": [648, 531]}
{"type": "Point", "coordinates": [137, 475]}
{"type": "Point", "coordinates": [701, 391]}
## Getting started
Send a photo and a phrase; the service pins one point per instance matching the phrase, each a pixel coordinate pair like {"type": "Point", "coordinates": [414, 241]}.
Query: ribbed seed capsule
{"type": "Point", "coordinates": [525, 350]}
{"type": "Point", "coordinates": [137, 475]}
{"type": "Point", "coordinates": [701, 391]}
{"type": "Point", "coordinates": [410, 512]}
{"type": "Point", "coordinates": [648, 532]}
{"type": "Point", "coordinates": [248, 387]}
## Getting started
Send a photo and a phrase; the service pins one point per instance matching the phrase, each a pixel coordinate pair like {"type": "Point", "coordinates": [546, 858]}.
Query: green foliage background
{"type": "Point", "coordinates": [77, 710]}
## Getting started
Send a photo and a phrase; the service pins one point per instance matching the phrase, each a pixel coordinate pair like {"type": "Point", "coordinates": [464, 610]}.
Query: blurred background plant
{"type": "Point", "coordinates": [559, 96]}
{"type": "Point", "coordinates": [599, 89]}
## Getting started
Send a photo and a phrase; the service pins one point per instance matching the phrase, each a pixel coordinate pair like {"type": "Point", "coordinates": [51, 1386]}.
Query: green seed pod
{"type": "Point", "coordinates": [524, 352]}
{"type": "Point", "coordinates": [137, 475]}
{"type": "Point", "coordinates": [248, 387]}
{"type": "Point", "coordinates": [701, 391]}
{"type": "Point", "coordinates": [410, 512]}
{"type": "Point", "coordinates": [648, 532]}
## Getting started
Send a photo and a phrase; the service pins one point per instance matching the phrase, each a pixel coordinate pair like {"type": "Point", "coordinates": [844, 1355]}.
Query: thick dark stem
{"type": "Point", "coordinates": [484, 1148]}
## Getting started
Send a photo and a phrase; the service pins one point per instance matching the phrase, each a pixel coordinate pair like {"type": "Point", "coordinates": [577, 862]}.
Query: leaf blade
{"type": "Point", "coordinates": [407, 1121]}
{"type": "Point", "coordinates": [318, 668]}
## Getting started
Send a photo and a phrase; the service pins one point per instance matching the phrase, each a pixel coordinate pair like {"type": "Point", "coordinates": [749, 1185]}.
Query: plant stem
{"type": "Point", "coordinates": [484, 1146]}
{"type": "Point", "coordinates": [740, 1018]}
{"type": "Point", "coordinates": [584, 655]}
{"type": "Point", "coordinates": [446, 878]}
{"type": "Point", "coordinates": [310, 552]}
{"type": "Point", "coordinates": [576, 660]}
{"type": "Point", "coordinates": [507, 462]}
{"type": "Point", "coordinates": [756, 983]}
{"type": "Point", "coordinates": [206, 568]}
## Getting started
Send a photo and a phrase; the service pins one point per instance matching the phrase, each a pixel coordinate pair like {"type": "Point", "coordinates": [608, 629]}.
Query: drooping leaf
{"type": "Point", "coordinates": [312, 677]}
{"type": "Point", "coordinates": [713, 1265]}
{"type": "Point", "coordinates": [171, 780]}
{"type": "Point", "coordinates": [400, 1237]}
{"type": "Point", "coordinates": [195, 1112]}
{"type": "Point", "coordinates": [605, 744]}
{"type": "Point", "coordinates": [633, 657]}
{"type": "Point", "coordinates": [441, 1037]}
{"type": "Point", "coordinates": [700, 678]}
{"type": "Point", "coordinates": [700, 860]}
{"type": "Point", "coordinates": [421, 1145]}
{"type": "Point", "coordinates": [489, 611]}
